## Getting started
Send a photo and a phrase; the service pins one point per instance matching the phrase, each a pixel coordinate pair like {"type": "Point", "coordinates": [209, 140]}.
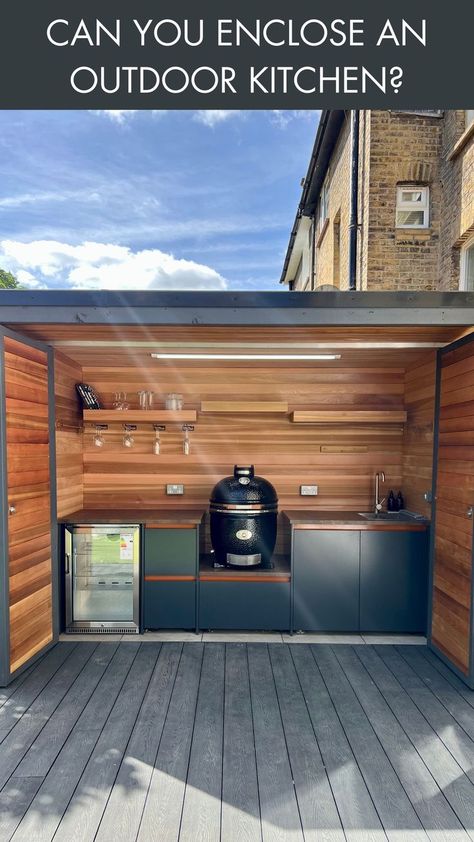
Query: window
{"type": "Point", "coordinates": [324, 202]}
{"type": "Point", "coordinates": [467, 267]}
{"type": "Point", "coordinates": [469, 115]}
{"type": "Point", "coordinates": [420, 112]}
{"type": "Point", "coordinates": [412, 206]}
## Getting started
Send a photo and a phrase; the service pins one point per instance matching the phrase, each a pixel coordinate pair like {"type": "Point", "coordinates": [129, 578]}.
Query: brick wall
{"type": "Point", "coordinates": [339, 206]}
{"type": "Point", "coordinates": [403, 149]}
{"type": "Point", "coordinates": [457, 176]}
{"type": "Point", "coordinates": [397, 148]}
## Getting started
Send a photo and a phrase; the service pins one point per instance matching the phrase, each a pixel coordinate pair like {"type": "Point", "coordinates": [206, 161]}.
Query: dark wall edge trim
{"type": "Point", "coordinates": [242, 308]}
{"type": "Point", "coordinates": [4, 578]}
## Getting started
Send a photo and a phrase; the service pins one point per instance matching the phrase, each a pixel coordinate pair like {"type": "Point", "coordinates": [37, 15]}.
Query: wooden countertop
{"type": "Point", "coordinates": [150, 517]}
{"type": "Point", "coordinates": [279, 573]}
{"type": "Point", "coordinates": [307, 519]}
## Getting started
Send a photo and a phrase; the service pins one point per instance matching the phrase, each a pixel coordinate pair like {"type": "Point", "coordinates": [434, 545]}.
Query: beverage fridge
{"type": "Point", "coordinates": [102, 582]}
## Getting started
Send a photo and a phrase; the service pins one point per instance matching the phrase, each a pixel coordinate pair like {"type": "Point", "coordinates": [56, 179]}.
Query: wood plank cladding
{"type": "Point", "coordinates": [420, 388]}
{"type": "Point", "coordinates": [261, 333]}
{"type": "Point", "coordinates": [287, 454]}
{"type": "Point", "coordinates": [69, 438]}
{"type": "Point", "coordinates": [452, 577]}
{"type": "Point", "coordinates": [28, 481]}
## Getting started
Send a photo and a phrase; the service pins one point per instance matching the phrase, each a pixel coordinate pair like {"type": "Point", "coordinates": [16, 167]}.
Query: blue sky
{"type": "Point", "coordinates": [172, 200]}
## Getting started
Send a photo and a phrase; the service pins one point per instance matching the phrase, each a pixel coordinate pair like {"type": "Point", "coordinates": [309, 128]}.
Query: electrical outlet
{"type": "Point", "coordinates": [308, 490]}
{"type": "Point", "coordinates": [175, 489]}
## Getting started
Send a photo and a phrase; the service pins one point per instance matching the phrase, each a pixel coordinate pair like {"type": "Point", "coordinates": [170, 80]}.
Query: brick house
{"type": "Point", "coordinates": [387, 203]}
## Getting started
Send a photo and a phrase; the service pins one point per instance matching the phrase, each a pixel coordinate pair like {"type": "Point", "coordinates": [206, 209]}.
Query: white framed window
{"type": "Point", "coordinates": [324, 202]}
{"type": "Point", "coordinates": [467, 266]}
{"type": "Point", "coordinates": [469, 115]}
{"type": "Point", "coordinates": [420, 112]}
{"type": "Point", "coordinates": [413, 206]}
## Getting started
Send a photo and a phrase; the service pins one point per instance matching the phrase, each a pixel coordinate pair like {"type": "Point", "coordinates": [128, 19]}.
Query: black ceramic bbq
{"type": "Point", "coordinates": [243, 510]}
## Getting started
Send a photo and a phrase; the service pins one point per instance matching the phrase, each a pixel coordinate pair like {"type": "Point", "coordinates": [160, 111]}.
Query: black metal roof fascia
{"type": "Point", "coordinates": [330, 125]}
{"type": "Point", "coordinates": [235, 308]}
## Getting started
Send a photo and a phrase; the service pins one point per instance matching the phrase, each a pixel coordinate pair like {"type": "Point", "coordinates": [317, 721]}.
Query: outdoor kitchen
{"type": "Point", "coordinates": [264, 478]}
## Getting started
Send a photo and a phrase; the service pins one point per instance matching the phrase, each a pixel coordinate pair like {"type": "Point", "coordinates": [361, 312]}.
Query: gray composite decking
{"type": "Point", "coordinates": [201, 742]}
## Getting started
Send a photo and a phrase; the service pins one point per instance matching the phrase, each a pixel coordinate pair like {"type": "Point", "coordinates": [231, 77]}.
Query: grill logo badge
{"type": "Point", "coordinates": [243, 534]}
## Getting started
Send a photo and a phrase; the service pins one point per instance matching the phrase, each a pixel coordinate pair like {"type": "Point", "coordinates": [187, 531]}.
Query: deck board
{"type": "Point", "coordinates": [443, 724]}
{"type": "Point", "coordinates": [359, 817]}
{"type": "Point", "coordinates": [240, 802]}
{"type": "Point", "coordinates": [447, 773]}
{"type": "Point", "coordinates": [201, 819]}
{"type": "Point", "coordinates": [236, 742]}
{"type": "Point", "coordinates": [46, 810]}
{"type": "Point", "coordinates": [122, 815]}
{"type": "Point", "coordinates": [319, 817]}
{"type": "Point", "coordinates": [83, 813]}
{"type": "Point", "coordinates": [161, 817]}
{"type": "Point", "coordinates": [428, 801]}
{"type": "Point", "coordinates": [390, 799]}
{"type": "Point", "coordinates": [278, 805]}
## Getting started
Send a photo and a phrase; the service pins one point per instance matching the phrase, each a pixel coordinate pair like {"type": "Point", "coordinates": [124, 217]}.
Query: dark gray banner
{"type": "Point", "coordinates": [236, 54]}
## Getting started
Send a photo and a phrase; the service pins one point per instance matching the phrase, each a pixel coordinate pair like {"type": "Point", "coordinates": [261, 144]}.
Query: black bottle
{"type": "Point", "coordinates": [391, 502]}
{"type": "Point", "coordinates": [400, 502]}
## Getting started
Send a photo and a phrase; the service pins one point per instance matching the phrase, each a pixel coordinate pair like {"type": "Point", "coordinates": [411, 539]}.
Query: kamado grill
{"type": "Point", "coordinates": [243, 511]}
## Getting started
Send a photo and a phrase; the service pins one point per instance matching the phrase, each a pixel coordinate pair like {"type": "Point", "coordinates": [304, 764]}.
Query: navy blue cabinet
{"type": "Point", "coordinates": [394, 581]}
{"type": "Point", "coordinates": [353, 580]}
{"type": "Point", "coordinates": [326, 580]}
{"type": "Point", "coordinates": [261, 606]}
{"type": "Point", "coordinates": [170, 577]}
{"type": "Point", "coordinates": [169, 605]}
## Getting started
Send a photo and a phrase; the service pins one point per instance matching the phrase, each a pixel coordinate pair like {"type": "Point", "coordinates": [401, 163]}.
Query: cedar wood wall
{"type": "Point", "coordinates": [341, 459]}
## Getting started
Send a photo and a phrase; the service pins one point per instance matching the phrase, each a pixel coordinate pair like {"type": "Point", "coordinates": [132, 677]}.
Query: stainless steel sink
{"type": "Point", "coordinates": [395, 517]}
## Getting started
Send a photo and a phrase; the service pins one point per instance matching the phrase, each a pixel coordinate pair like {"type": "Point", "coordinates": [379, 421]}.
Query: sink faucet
{"type": "Point", "coordinates": [380, 475]}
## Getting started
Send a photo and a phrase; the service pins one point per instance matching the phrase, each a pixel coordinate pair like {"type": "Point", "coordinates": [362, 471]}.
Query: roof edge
{"type": "Point", "coordinates": [330, 125]}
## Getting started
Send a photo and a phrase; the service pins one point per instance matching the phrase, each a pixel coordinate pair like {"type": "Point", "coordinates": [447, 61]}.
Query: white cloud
{"type": "Point", "coordinates": [94, 265]}
{"type": "Point", "coordinates": [212, 118]}
{"type": "Point", "coordinates": [284, 118]}
{"type": "Point", "coordinates": [122, 116]}
{"type": "Point", "coordinates": [117, 115]}
{"type": "Point", "coordinates": [28, 280]}
{"type": "Point", "coordinates": [46, 196]}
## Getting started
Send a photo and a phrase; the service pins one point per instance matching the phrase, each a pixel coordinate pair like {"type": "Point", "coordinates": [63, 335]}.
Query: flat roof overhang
{"type": "Point", "coordinates": [310, 309]}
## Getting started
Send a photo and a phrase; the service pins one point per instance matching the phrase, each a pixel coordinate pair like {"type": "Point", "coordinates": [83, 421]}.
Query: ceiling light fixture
{"type": "Point", "coordinates": [218, 356]}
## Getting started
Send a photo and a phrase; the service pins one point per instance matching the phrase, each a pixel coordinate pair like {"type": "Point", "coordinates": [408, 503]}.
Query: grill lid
{"type": "Point", "coordinates": [244, 488]}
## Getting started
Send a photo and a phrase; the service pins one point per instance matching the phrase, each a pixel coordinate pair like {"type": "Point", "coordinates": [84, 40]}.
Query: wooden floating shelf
{"type": "Point", "coordinates": [366, 416]}
{"type": "Point", "coordinates": [244, 406]}
{"type": "Point", "coordinates": [140, 416]}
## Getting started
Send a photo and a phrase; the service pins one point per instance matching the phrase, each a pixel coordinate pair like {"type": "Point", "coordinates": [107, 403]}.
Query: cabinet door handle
{"type": "Point", "coordinates": [470, 511]}
{"type": "Point", "coordinates": [68, 558]}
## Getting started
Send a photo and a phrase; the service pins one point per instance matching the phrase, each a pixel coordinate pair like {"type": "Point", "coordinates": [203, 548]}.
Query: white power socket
{"type": "Point", "coordinates": [175, 489]}
{"type": "Point", "coordinates": [308, 490]}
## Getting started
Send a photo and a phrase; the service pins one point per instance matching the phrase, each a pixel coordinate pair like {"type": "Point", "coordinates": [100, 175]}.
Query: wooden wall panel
{"type": "Point", "coordinates": [420, 388]}
{"type": "Point", "coordinates": [452, 577]}
{"type": "Point", "coordinates": [29, 528]}
{"type": "Point", "coordinates": [69, 439]}
{"type": "Point", "coordinates": [285, 453]}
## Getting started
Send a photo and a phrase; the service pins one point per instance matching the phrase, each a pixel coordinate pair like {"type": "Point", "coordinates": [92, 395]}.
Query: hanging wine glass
{"type": "Point", "coordinates": [128, 439]}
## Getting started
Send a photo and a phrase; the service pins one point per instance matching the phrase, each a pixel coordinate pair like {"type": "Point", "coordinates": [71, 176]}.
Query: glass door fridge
{"type": "Point", "coordinates": [102, 578]}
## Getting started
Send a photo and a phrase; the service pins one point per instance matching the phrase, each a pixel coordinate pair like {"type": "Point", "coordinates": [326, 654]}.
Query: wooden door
{"type": "Point", "coordinates": [452, 544]}
{"type": "Point", "coordinates": [28, 490]}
